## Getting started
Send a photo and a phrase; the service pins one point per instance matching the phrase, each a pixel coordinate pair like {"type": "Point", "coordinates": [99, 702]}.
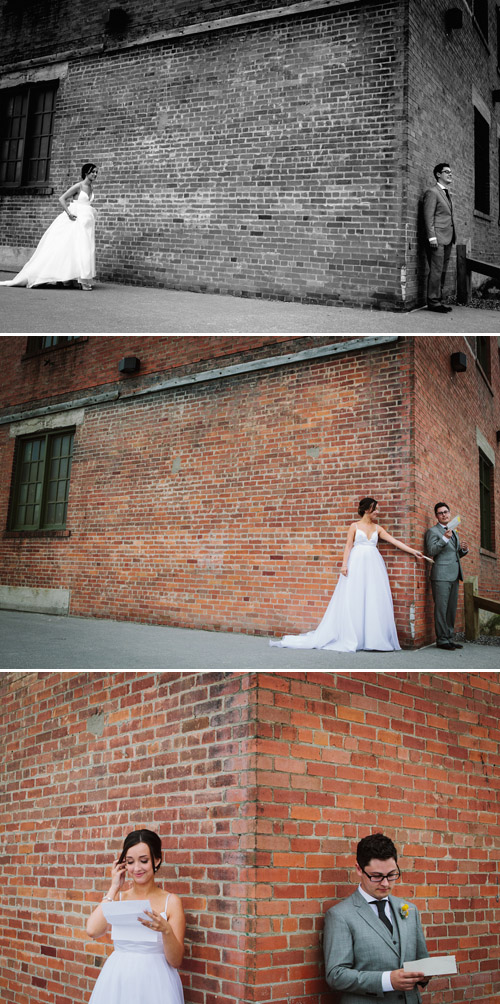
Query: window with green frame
{"type": "Point", "coordinates": [486, 470]}
{"type": "Point", "coordinates": [41, 481]}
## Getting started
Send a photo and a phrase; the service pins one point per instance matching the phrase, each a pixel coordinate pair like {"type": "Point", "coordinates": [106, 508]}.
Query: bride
{"type": "Point", "coordinates": [67, 249]}
{"type": "Point", "coordinates": [360, 613]}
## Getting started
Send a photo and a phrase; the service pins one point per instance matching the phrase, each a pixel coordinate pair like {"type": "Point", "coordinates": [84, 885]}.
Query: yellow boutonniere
{"type": "Point", "coordinates": [404, 910]}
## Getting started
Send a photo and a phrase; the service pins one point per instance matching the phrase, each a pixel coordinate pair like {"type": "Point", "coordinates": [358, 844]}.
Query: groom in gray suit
{"type": "Point", "coordinates": [369, 935]}
{"type": "Point", "coordinates": [444, 546]}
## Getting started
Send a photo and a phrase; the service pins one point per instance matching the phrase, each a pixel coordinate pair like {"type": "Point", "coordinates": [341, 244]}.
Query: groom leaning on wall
{"type": "Point", "coordinates": [368, 936]}
{"type": "Point", "coordinates": [444, 546]}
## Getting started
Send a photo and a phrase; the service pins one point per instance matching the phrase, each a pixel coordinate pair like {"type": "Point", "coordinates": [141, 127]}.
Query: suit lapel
{"type": "Point", "coordinates": [370, 917]}
{"type": "Point", "coordinates": [401, 926]}
{"type": "Point", "coordinates": [444, 200]}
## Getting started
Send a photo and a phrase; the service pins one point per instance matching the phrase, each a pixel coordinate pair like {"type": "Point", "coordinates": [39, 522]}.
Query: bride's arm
{"type": "Point", "coordinates": [63, 198]}
{"type": "Point", "coordinates": [398, 543]}
{"type": "Point", "coordinates": [348, 547]}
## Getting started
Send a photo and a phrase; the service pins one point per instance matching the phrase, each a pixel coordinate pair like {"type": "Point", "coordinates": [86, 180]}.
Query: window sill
{"type": "Point", "coordinates": [27, 190]}
{"type": "Point", "coordinates": [483, 551]}
{"type": "Point", "coordinates": [30, 534]}
{"type": "Point", "coordinates": [479, 215]}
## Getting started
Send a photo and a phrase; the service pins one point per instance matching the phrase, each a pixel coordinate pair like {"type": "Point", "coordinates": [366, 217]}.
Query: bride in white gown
{"type": "Point", "coordinates": [141, 972]}
{"type": "Point", "coordinates": [360, 614]}
{"type": "Point", "coordinates": [67, 249]}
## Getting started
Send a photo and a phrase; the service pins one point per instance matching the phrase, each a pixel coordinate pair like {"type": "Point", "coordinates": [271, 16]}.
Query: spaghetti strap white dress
{"type": "Point", "coordinates": [66, 251]}
{"type": "Point", "coordinates": [138, 973]}
{"type": "Point", "coordinates": [360, 614]}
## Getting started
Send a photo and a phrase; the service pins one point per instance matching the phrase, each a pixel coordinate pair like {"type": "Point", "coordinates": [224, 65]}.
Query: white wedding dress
{"type": "Point", "coordinates": [66, 250]}
{"type": "Point", "coordinates": [360, 614]}
{"type": "Point", "coordinates": [138, 973]}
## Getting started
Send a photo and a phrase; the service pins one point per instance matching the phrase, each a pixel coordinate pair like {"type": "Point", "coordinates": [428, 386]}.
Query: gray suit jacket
{"type": "Point", "coordinates": [358, 949]}
{"type": "Point", "coordinates": [446, 554]}
{"type": "Point", "coordinates": [438, 216]}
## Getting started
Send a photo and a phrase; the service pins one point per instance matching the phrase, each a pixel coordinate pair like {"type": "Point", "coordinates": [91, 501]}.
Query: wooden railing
{"type": "Point", "coordinates": [473, 604]}
{"type": "Point", "coordinates": [465, 266]}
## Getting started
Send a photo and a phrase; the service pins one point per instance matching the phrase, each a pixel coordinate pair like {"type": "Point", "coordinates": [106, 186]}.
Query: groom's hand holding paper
{"type": "Point", "coordinates": [437, 965]}
{"type": "Point", "coordinates": [124, 919]}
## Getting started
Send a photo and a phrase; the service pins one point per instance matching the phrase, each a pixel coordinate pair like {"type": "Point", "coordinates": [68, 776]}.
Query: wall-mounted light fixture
{"type": "Point", "coordinates": [116, 20]}
{"type": "Point", "coordinates": [129, 364]}
{"type": "Point", "coordinates": [459, 362]}
{"type": "Point", "coordinates": [453, 19]}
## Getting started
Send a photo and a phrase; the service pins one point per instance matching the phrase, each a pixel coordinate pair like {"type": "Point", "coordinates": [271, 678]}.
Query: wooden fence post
{"type": "Point", "coordinates": [463, 276]}
{"type": "Point", "coordinates": [470, 612]}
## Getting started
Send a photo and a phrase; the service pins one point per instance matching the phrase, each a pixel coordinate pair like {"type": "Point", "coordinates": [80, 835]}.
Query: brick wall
{"type": "Point", "coordinates": [262, 160]}
{"type": "Point", "coordinates": [89, 757]}
{"type": "Point", "coordinates": [343, 755]}
{"type": "Point", "coordinates": [449, 410]}
{"type": "Point", "coordinates": [442, 72]}
{"type": "Point", "coordinates": [226, 505]}
{"type": "Point", "coordinates": [92, 362]}
{"type": "Point", "coordinates": [260, 785]}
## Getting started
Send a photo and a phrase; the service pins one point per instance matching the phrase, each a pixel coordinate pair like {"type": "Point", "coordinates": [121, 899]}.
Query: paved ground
{"type": "Point", "coordinates": [42, 641]}
{"type": "Point", "coordinates": [112, 307]}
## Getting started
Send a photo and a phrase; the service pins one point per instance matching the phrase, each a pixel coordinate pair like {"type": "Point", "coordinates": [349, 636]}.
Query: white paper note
{"type": "Point", "coordinates": [437, 965]}
{"type": "Point", "coordinates": [123, 916]}
{"type": "Point", "coordinates": [454, 522]}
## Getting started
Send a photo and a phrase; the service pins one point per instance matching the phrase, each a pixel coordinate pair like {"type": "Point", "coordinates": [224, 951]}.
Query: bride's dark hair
{"type": "Point", "coordinates": [366, 505]}
{"type": "Point", "coordinates": [87, 168]}
{"type": "Point", "coordinates": [143, 837]}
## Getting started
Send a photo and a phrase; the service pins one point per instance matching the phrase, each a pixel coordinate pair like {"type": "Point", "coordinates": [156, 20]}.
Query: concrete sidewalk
{"type": "Point", "coordinates": [42, 641]}
{"type": "Point", "coordinates": [115, 308]}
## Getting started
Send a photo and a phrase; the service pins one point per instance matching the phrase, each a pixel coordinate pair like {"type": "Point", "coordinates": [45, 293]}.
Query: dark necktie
{"type": "Point", "coordinates": [446, 192]}
{"type": "Point", "coordinates": [380, 904]}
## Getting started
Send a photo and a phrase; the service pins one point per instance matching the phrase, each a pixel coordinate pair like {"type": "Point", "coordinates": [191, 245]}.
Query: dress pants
{"type": "Point", "coordinates": [445, 595]}
{"type": "Point", "coordinates": [438, 258]}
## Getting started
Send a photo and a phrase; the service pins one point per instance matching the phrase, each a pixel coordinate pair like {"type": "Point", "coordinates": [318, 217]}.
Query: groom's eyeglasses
{"type": "Point", "coordinates": [378, 877]}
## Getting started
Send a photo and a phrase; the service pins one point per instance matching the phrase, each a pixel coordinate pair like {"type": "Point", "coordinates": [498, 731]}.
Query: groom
{"type": "Point", "coordinates": [444, 546]}
{"type": "Point", "coordinates": [369, 935]}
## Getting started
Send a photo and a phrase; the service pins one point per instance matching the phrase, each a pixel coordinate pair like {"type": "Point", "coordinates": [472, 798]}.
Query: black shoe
{"type": "Point", "coordinates": [438, 309]}
{"type": "Point", "coordinates": [454, 644]}
{"type": "Point", "coordinates": [447, 308]}
{"type": "Point", "coordinates": [449, 647]}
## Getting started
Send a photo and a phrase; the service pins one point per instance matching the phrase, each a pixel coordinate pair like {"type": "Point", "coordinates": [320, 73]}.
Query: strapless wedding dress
{"type": "Point", "coordinates": [66, 250]}
{"type": "Point", "coordinates": [360, 614]}
{"type": "Point", "coordinates": [138, 973]}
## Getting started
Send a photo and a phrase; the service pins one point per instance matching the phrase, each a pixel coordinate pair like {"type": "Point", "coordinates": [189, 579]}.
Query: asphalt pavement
{"type": "Point", "coordinates": [113, 307]}
{"type": "Point", "coordinates": [43, 641]}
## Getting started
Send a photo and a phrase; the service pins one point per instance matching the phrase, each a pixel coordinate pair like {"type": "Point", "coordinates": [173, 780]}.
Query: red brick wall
{"type": "Point", "coordinates": [343, 755]}
{"type": "Point", "coordinates": [89, 757]}
{"type": "Point", "coordinates": [226, 505]}
{"type": "Point", "coordinates": [449, 407]}
{"type": "Point", "coordinates": [259, 840]}
{"type": "Point", "coordinates": [92, 361]}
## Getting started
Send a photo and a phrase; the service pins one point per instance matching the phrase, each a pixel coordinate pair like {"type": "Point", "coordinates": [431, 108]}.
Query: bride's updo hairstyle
{"type": "Point", "coordinates": [87, 168]}
{"type": "Point", "coordinates": [143, 837]}
{"type": "Point", "coordinates": [366, 505]}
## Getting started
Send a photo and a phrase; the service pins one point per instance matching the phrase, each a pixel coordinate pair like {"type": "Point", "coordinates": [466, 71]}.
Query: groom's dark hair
{"type": "Point", "coordinates": [376, 845]}
{"type": "Point", "coordinates": [439, 505]}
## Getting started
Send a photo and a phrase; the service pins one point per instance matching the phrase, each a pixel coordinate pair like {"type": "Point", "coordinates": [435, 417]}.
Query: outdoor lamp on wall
{"type": "Point", "coordinates": [116, 20]}
{"type": "Point", "coordinates": [129, 364]}
{"type": "Point", "coordinates": [459, 362]}
{"type": "Point", "coordinates": [453, 19]}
